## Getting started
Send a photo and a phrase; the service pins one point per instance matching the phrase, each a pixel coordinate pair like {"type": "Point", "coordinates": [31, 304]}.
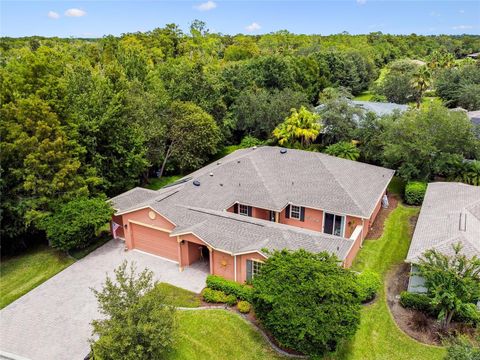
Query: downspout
{"type": "Point", "coordinates": [235, 267]}
{"type": "Point", "coordinates": [363, 232]}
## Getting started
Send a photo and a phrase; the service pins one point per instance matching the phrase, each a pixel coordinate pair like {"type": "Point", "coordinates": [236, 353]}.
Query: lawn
{"type": "Point", "coordinates": [179, 297]}
{"type": "Point", "coordinates": [156, 183]}
{"type": "Point", "coordinates": [218, 335]}
{"type": "Point", "coordinates": [364, 96]}
{"type": "Point", "coordinates": [378, 336]}
{"type": "Point", "coordinates": [22, 273]}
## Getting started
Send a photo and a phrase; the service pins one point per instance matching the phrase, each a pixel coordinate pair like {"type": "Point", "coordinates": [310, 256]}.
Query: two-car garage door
{"type": "Point", "coordinates": [155, 242]}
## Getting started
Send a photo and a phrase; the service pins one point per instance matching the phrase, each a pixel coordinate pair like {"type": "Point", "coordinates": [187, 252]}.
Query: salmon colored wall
{"type": "Point", "coordinates": [194, 251]}
{"type": "Point", "coordinates": [351, 224]}
{"type": "Point", "coordinates": [257, 213]}
{"type": "Point", "coordinates": [242, 265]}
{"type": "Point", "coordinates": [223, 265]}
{"type": "Point", "coordinates": [313, 219]}
{"type": "Point", "coordinates": [353, 252]}
{"type": "Point", "coordinates": [119, 220]}
{"type": "Point", "coordinates": [141, 216]}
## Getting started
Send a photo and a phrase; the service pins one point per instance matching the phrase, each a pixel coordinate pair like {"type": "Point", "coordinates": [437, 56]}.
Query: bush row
{"type": "Point", "coordinates": [216, 296]}
{"type": "Point", "coordinates": [421, 302]}
{"type": "Point", "coordinates": [242, 292]}
{"type": "Point", "coordinates": [415, 192]}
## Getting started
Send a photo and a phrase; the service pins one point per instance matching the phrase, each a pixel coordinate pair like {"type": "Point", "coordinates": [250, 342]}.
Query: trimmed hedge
{"type": "Point", "coordinates": [216, 296]}
{"type": "Point", "coordinates": [416, 301]}
{"type": "Point", "coordinates": [415, 192]}
{"type": "Point", "coordinates": [368, 283]}
{"type": "Point", "coordinates": [244, 307]}
{"type": "Point", "coordinates": [467, 314]}
{"type": "Point", "coordinates": [242, 292]}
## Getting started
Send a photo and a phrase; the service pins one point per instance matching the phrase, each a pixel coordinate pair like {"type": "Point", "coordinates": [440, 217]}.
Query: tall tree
{"type": "Point", "coordinates": [301, 127]}
{"type": "Point", "coordinates": [421, 82]}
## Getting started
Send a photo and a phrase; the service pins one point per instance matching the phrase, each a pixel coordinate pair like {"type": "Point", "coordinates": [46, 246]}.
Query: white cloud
{"type": "Point", "coordinates": [75, 13]}
{"type": "Point", "coordinates": [462, 27]}
{"type": "Point", "coordinates": [253, 27]}
{"type": "Point", "coordinates": [361, 2]}
{"type": "Point", "coordinates": [209, 5]}
{"type": "Point", "coordinates": [53, 15]}
{"type": "Point", "coordinates": [461, 11]}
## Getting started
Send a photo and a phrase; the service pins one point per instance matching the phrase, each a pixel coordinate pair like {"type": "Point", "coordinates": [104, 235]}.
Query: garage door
{"type": "Point", "coordinates": [154, 242]}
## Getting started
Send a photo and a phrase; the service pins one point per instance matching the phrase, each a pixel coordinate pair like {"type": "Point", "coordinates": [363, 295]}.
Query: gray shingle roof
{"type": "Point", "coordinates": [450, 214]}
{"type": "Point", "coordinates": [378, 108]}
{"type": "Point", "coordinates": [265, 178]}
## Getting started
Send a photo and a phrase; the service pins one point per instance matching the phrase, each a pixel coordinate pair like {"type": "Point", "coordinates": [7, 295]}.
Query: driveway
{"type": "Point", "coordinates": [53, 320]}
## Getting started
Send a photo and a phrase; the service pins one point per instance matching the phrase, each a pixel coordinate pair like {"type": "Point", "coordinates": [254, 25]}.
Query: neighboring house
{"type": "Point", "coordinates": [450, 214]}
{"type": "Point", "coordinates": [231, 211]}
{"type": "Point", "coordinates": [474, 117]}
{"type": "Point", "coordinates": [378, 108]}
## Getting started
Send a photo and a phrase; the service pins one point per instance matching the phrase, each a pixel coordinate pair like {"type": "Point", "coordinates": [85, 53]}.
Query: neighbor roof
{"type": "Point", "coordinates": [450, 214]}
{"type": "Point", "coordinates": [378, 108]}
{"type": "Point", "coordinates": [474, 117]}
{"type": "Point", "coordinates": [265, 178]}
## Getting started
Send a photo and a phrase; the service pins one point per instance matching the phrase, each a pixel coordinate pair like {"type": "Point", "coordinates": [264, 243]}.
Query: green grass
{"type": "Point", "coordinates": [156, 183]}
{"type": "Point", "coordinates": [218, 335]}
{"type": "Point", "coordinates": [22, 273]}
{"type": "Point", "coordinates": [378, 336]}
{"type": "Point", "coordinates": [364, 96]}
{"type": "Point", "coordinates": [179, 297]}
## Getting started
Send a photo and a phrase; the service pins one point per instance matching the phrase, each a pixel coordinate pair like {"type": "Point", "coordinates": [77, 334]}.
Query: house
{"type": "Point", "coordinates": [233, 211]}
{"type": "Point", "coordinates": [450, 214]}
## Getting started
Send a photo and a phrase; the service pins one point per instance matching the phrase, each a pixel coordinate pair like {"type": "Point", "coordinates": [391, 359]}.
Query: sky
{"type": "Point", "coordinates": [96, 18]}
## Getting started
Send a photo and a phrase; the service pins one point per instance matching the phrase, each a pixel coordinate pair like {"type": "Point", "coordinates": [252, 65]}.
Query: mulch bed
{"type": "Point", "coordinates": [376, 230]}
{"type": "Point", "coordinates": [416, 324]}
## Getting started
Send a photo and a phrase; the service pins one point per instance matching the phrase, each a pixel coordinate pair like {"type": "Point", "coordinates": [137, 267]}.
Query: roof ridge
{"type": "Point", "coordinates": [320, 155]}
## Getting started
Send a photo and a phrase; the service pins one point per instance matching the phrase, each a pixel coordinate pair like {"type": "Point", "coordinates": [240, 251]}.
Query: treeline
{"type": "Point", "coordinates": [83, 118]}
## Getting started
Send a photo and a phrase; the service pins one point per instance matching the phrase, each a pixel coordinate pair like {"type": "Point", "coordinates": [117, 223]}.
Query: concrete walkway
{"type": "Point", "coordinates": [53, 320]}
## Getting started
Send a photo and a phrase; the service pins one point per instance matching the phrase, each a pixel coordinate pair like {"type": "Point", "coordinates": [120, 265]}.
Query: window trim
{"type": "Point", "coordinates": [299, 212]}
{"type": "Point", "coordinates": [240, 209]}
{"type": "Point", "coordinates": [259, 263]}
{"type": "Point", "coordinates": [333, 229]}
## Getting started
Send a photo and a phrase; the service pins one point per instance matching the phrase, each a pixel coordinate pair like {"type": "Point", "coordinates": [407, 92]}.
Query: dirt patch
{"type": "Point", "coordinates": [376, 230]}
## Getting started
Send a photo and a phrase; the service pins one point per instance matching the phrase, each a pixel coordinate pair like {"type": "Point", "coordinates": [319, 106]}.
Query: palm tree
{"type": "Point", "coordinates": [344, 149]}
{"type": "Point", "coordinates": [472, 173]}
{"type": "Point", "coordinates": [421, 82]}
{"type": "Point", "coordinates": [301, 125]}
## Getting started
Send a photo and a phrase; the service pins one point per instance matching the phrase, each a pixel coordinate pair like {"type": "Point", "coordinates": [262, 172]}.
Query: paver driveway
{"type": "Point", "coordinates": [53, 320]}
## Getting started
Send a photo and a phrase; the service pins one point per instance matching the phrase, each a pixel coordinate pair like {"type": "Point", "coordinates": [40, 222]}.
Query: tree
{"type": "Point", "coordinates": [339, 116]}
{"type": "Point", "coordinates": [40, 167]}
{"type": "Point", "coordinates": [459, 86]}
{"type": "Point", "coordinates": [419, 140]}
{"type": "Point", "coordinates": [451, 280]}
{"type": "Point", "coordinates": [398, 85]}
{"type": "Point", "coordinates": [257, 112]}
{"type": "Point", "coordinates": [307, 301]}
{"type": "Point", "coordinates": [191, 137]}
{"type": "Point", "coordinates": [76, 223]}
{"type": "Point", "coordinates": [301, 126]}
{"type": "Point", "coordinates": [421, 82]}
{"type": "Point", "coordinates": [343, 149]}
{"type": "Point", "coordinates": [136, 323]}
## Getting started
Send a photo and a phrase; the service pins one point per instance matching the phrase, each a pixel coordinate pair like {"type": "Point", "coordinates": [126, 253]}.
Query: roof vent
{"type": "Point", "coordinates": [238, 161]}
{"type": "Point", "coordinates": [196, 182]}
{"type": "Point", "coordinates": [218, 162]}
{"type": "Point", "coordinates": [211, 174]}
{"type": "Point", "coordinates": [221, 184]}
{"type": "Point", "coordinates": [283, 151]}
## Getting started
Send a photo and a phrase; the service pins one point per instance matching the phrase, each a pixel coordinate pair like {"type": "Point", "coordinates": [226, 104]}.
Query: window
{"type": "Point", "coordinates": [334, 224]}
{"type": "Point", "coordinates": [243, 209]}
{"type": "Point", "coordinates": [295, 212]}
{"type": "Point", "coordinates": [253, 268]}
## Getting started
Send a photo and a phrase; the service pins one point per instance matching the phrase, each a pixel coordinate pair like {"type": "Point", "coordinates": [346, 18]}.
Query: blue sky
{"type": "Point", "coordinates": [98, 18]}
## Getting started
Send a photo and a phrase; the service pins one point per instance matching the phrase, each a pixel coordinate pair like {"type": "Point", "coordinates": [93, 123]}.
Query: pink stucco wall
{"type": "Point", "coordinates": [242, 265]}
{"type": "Point", "coordinates": [222, 264]}
{"type": "Point", "coordinates": [313, 219]}
{"type": "Point", "coordinates": [257, 213]}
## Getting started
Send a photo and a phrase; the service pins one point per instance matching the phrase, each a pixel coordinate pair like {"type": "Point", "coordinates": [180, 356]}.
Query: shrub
{"type": "Point", "coordinates": [343, 149]}
{"type": "Point", "coordinates": [416, 301]}
{"type": "Point", "coordinates": [462, 348]}
{"type": "Point", "coordinates": [415, 192]}
{"type": "Point", "coordinates": [135, 322]}
{"type": "Point", "coordinates": [244, 307]}
{"type": "Point", "coordinates": [75, 223]}
{"type": "Point", "coordinates": [468, 313]}
{"type": "Point", "coordinates": [369, 283]}
{"type": "Point", "coordinates": [242, 292]}
{"type": "Point", "coordinates": [216, 296]}
{"type": "Point", "coordinates": [307, 301]}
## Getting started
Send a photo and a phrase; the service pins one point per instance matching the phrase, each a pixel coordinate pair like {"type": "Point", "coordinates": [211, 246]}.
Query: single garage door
{"type": "Point", "coordinates": [154, 242]}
